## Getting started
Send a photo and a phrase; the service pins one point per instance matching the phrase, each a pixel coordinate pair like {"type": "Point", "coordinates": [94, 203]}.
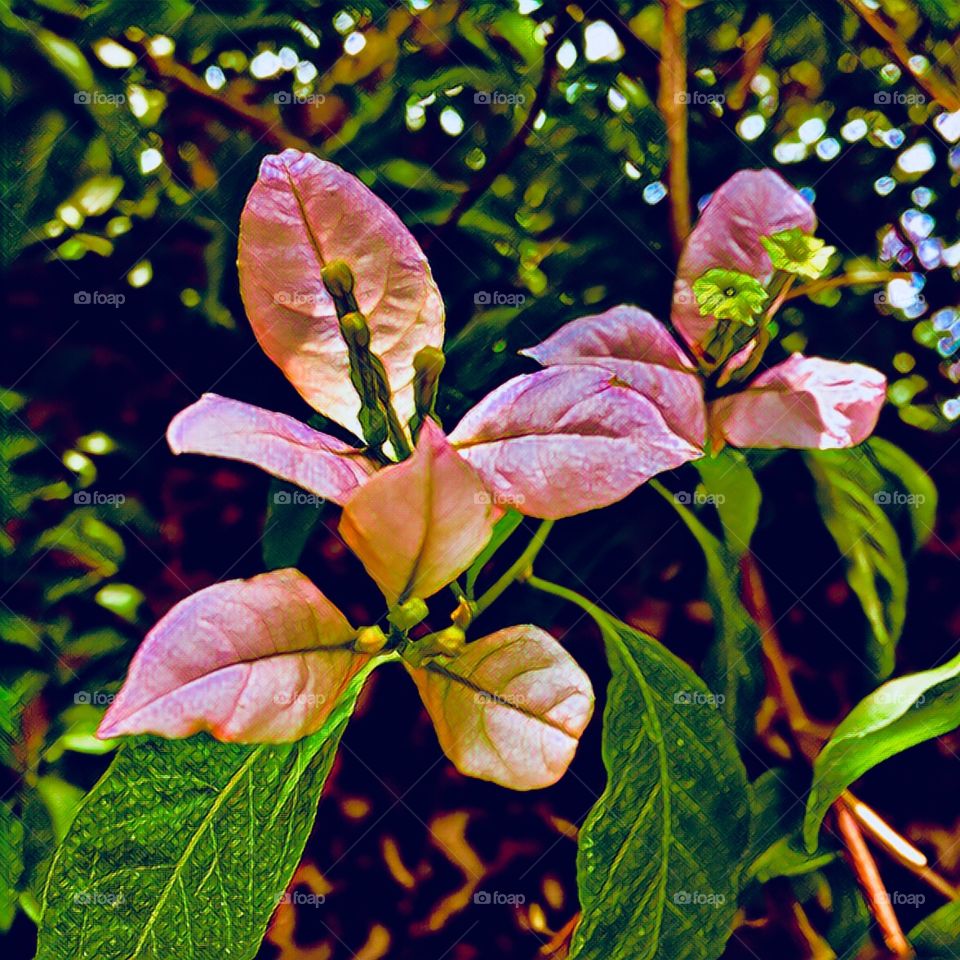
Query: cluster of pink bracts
{"type": "Point", "coordinates": [617, 401]}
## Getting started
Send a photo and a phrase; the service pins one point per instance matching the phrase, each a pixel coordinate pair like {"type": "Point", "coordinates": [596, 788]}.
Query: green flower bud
{"type": "Point", "coordinates": [450, 641]}
{"type": "Point", "coordinates": [408, 614]}
{"type": "Point", "coordinates": [338, 279]}
{"type": "Point", "coordinates": [370, 640]}
{"type": "Point", "coordinates": [355, 331]}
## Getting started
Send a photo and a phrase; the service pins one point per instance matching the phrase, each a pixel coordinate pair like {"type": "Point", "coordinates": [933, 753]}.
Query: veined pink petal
{"type": "Point", "coordinates": [219, 427]}
{"type": "Point", "coordinates": [642, 352]}
{"type": "Point", "coordinates": [252, 661]}
{"type": "Point", "coordinates": [750, 205]}
{"type": "Point", "coordinates": [803, 402]}
{"type": "Point", "coordinates": [568, 439]}
{"type": "Point", "coordinates": [511, 708]}
{"type": "Point", "coordinates": [302, 213]}
{"type": "Point", "coordinates": [418, 524]}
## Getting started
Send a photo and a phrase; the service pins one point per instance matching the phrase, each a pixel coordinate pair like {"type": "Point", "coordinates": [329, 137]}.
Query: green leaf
{"type": "Point", "coordinates": [776, 846]}
{"type": "Point", "coordinates": [502, 531]}
{"type": "Point", "coordinates": [184, 847]}
{"type": "Point", "coordinates": [732, 667]}
{"type": "Point", "coordinates": [916, 493]}
{"type": "Point", "coordinates": [937, 937]}
{"type": "Point", "coordinates": [850, 491]}
{"type": "Point", "coordinates": [898, 715]}
{"type": "Point", "coordinates": [658, 864]}
{"type": "Point", "coordinates": [734, 491]}
{"type": "Point", "coordinates": [289, 523]}
{"type": "Point", "coordinates": [11, 863]}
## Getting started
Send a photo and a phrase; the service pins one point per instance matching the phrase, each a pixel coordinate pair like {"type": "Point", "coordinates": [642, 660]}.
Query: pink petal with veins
{"type": "Point", "coordinates": [252, 661]}
{"type": "Point", "coordinates": [511, 708]}
{"type": "Point", "coordinates": [804, 402]}
{"type": "Point", "coordinates": [219, 427]}
{"type": "Point", "coordinates": [642, 352]}
{"type": "Point", "coordinates": [302, 213]}
{"type": "Point", "coordinates": [568, 439]}
{"type": "Point", "coordinates": [418, 524]}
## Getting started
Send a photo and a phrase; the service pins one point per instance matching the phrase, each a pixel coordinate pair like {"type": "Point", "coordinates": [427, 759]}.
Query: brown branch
{"type": "Point", "coordinates": [672, 102]}
{"type": "Point", "coordinates": [864, 278]}
{"type": "Point", "coordinates": [265, 123]}
{"type": "Point", "coordinates": [871, 883]}
{"type": "Point", "coordinates": [808, 736]}
{"type": "Point", "coordinates": [934, 85]}
{"type": "Point", "coordinates": [519, 140]}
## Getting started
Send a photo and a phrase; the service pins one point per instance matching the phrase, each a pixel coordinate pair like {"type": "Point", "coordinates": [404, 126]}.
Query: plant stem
{"type": "Point", "coordinates": [547, 586]}
{"type": "Point", "coordinates": [672, 102]}
{"type": "Point", "coordinates": [520, 569]}
{"type": "Point", "coordinates": [932, 83]}
{"type": "Point", "coordinates": [865, 867]}
{"type": "Point", "coordinates": [845, 280]}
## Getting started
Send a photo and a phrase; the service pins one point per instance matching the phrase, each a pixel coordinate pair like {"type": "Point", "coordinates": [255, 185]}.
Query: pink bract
{"type": "Point", "coordinates": [252, 661]}
{"type": "Point", "coordinates": [802, 402]}
{"type": "Point", "coordinates": [219, 427]}
{"type": "Point", "coordinates": [417, 525]}
{"type": "Point", "coordinates": [302, 213]}
{"type": "Point", "coordinates": [511, 708]}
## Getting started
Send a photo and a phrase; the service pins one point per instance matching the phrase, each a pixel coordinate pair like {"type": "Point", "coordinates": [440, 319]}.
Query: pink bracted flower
{"type": "Point", "coordinates": [552, 446]}
{"type": "Point", "coordinates": [341, 298]}
{"type": "Point", "coordinates": [805, 402]}
{"type": "Point", "coordinates": [267, 660]}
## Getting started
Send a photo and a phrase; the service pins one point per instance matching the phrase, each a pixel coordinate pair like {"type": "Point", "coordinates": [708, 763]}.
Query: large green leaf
{"type": "Point", "coordinates": [658, 864]}
{"type": "Point", "coordinates": [732, 667]}
{"type": "Point", "coordinates": [184, 847]}
{"type": "Point", "coordinates": [851, 492]}
{"type": "Point", "coordinates": [898, 715]}
{"type": "Point", "coordinates": [937, 937]}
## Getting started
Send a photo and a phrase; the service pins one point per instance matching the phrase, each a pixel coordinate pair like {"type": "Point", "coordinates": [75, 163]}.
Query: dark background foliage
{"type": "Point", "coordinates": [133, 131]}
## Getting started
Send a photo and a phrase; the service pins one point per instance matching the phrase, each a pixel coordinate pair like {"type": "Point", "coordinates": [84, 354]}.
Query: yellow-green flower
{"type": "Point", "coordinates": [797, 252]}
{"type": "Point", "coordinates": [729, 295]}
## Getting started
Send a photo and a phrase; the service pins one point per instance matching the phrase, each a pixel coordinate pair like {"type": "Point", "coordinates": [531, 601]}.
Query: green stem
{"type": "Point", "coordinates": [591, 609]}
{"type": "Point", "coordinates": [518, 569]}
